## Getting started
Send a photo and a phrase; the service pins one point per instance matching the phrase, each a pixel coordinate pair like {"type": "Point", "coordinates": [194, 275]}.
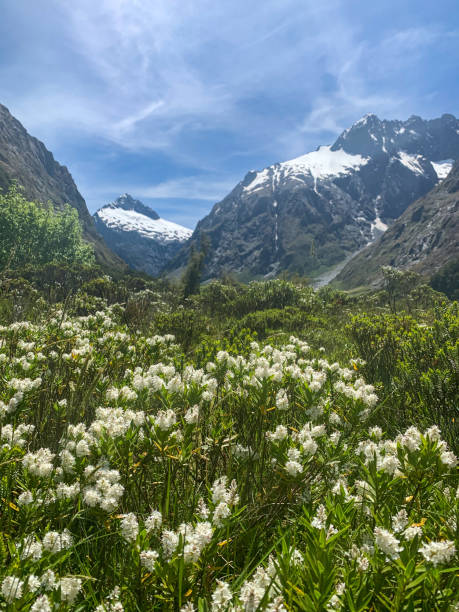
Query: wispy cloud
{"type": "Point", "coordinates": [131, 121]}
{"type": "Point", "coordinates": [215, 88]}
{"type": "Point", "coordinates": [192, 187]}
{"type": "Point", "coordinates": [200, 188]}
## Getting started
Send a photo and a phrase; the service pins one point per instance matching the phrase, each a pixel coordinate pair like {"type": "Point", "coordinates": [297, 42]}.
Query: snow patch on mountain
{"type": "Point", "coordinates": [411, 162]}
{"type": "Point", "coordinates": [155, 229]}
{"type": "Point", "coordinates": [260, 180]}
{"type": "Point", "coordinates": [443, 168]}
{"type": "Point", "coordinates": [321, 164]}
{"type": "Point", "coordinates": [324, 163]}
{"type": "Point", "coordinates": [379, 225]}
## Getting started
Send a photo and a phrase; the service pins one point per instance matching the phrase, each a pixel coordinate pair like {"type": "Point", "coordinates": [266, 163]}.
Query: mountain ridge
{"type": "Point", "coordinates": [139, 235]}
{"type": "Point", "coordinates": [308, 214]}
{"type": "Point", "coordinates": [25, 159]}
{"type": "Point", "coordinates": [423, 239]}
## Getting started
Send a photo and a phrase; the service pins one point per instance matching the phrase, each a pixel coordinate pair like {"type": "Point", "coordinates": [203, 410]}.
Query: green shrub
{"type": "Point", "coordinates": [446, 280]}
{"type": "Point", "coordinates": [33, 233]}
{"type": "Point", "coordinates": [417, 365]}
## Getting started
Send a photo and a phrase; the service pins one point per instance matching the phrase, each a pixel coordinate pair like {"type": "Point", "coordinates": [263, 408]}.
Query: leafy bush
{"type": "Point", "coordinates": [287, 320]}
{"type": "Point", "coordinates": [417, 364]}
{"type": "Point", "coordinates": [33, 233]}
{"type": "Point", "coordinates": [446, 280]}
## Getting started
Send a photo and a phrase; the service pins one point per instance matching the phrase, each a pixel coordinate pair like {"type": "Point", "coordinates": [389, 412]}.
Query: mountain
{"type": "Point", "coordinates": [25, 159]}
{"type": "Point", "coordinates": [424, 239]}
{"type": "Point", "coordinates": [138, 235]}
{"type": "Point", "coordinates": [309, 214]}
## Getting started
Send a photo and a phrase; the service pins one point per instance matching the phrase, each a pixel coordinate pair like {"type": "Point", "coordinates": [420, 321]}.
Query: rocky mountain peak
{"type": "Point", "coordinates": [423, 239]}
{"type": "Point", "coordinates": [434, 139]}
{"type": "Point", "coordinates": [309, 214]}
{"type": "Point", "coordinates": [139, 235]}
{"type": "Point", "coordinates": [127, 202]}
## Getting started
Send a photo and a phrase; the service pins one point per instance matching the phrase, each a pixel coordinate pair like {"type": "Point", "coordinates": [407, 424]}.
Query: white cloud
{"type": "Point", "coordinates": [129, 122]}
{"type": "Point", "coordinates": [156, 69]}
{"type": "Point", "coordinates": [203, 188]}
{"type": "Point", "coordinates": [200, 188]}
{"type": "Point", "coordinates": [211, 85]}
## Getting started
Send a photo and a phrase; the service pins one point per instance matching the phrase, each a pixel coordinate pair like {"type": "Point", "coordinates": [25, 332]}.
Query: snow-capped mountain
{"type": "Point", "coordinates": [309, 214]}
{"type": "Point", "coordinates": [137, 234]}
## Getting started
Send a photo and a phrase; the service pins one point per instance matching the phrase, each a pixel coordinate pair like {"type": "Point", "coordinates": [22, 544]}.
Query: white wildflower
{"type": "Point", "coordinates": [165, 419]}
{"type": "Point", "coordinates": [319, 520]}
{"type": "Point", "coordinates": [448, 458]}
{"type": "Point", "coordinates": [293, 468]}
{"type": "Point", "coordinates": [70, 587]}
{"type": "Point", "coordinates": [129, 527]}
{"type": "Point", "coordinates": [280, 433]}
{"type": "Point", "coordinates": [33, 583]}
{"type": "Point", "coordinates": [49, 581]}
{"type": "Point", "coordinates": [39, 463]}
{"type": "Point", "coordinates": [82, 449]}
{"type": "Point", "coordinates": [221, 512]}
{"type": "Point", "coordinates": [221, 597]}
{"type": "Point", "coordinates": [202, 510]}
{"type": "Point", "coordinates": [400, 521]}
{"type": "Point", "coordinates": [169, 541]}
{"type": "Point", "coordinates": [192, 415]}
{"type": "Point", "coordinates": [438, 552]}
{"type": "Point", "coordinates": [41, 604]}
{"type": "Point", "coordinates": [282, 400]}
{"type": "Point", "coordinates": [31, 549]}
{"type": "Point", "coordinates": [376, 432]}
{"type": "Point", "coordinates": [154, 521]}
{"type": "Point", "coordinates": [411, 532]}
{"type": "Point", "coordinates": [387, 542]}
{"type": "Point", "coordinates": [25, 498]}
{"type": "Point", "coordinates": [148, 559]}
{"type": "Point", "coordinates": [12, 588]}
{"type": "Point", "coordinates": [277, 605]}
{"type": "Point", "coordinates": [433, 433]}
{"type": "Point", "coordinates": [54, 541]}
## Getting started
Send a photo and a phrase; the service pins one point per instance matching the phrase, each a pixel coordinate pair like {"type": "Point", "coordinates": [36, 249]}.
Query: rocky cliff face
{"type": "Point", "coordinates": [138, 235]}
{"type": "Point", "coordinates": [424, 239]}
{"type": "Point", "coordinates": [26, 160]}
{"type": "Point", "coordinates": [310, 213]}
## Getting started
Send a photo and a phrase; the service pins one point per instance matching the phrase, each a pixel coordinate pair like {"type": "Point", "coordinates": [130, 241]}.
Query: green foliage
{"type": "Point", "coordinates": [416, 363]}
{"type": "Point", "coordinates": [397, 284]}
{"type": "Point", "coordinates": [265, 322]}
{"type": "Point", "coordinates": [19, 300]}
{"type": "Point", "coordinates": [33, 233]}
{"type": "Point", "coordinates": [324, 473]}
{"type": "Point", "coordinates": [192, 276]}
{"type": "Point", "coordinates": [266, 295]}
{"type": "Point", "coordinates": [446, 280]}
{"type": "Point", "coordinates": [187, 325]}
{"type": "Point", "coordinates": [276, 482]}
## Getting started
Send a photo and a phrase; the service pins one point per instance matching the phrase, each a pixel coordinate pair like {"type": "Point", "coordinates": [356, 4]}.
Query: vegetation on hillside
{"type": "Point", "coordinates": [35, 233]}
{"type": "Point", "coordinates": [446, 280]}
{"type": "Point", "coordinates": [249, 447]}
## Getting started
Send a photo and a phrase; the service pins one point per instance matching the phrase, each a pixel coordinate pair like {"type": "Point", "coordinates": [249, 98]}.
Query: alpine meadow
{"type": "Point", "coordinates": [233, 390]}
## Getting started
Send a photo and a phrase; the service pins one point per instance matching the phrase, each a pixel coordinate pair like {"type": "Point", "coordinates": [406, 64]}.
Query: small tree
{"type": "Point", "coordinates": [192, 276]}
{"type": "Point", "coordinates": [398, 284]}
{"type": "Point", "coordinates": [34, 233]}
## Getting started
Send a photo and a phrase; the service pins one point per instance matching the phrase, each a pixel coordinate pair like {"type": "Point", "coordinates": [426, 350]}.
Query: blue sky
{"type": "Point", "coordinates": [174, 101]}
